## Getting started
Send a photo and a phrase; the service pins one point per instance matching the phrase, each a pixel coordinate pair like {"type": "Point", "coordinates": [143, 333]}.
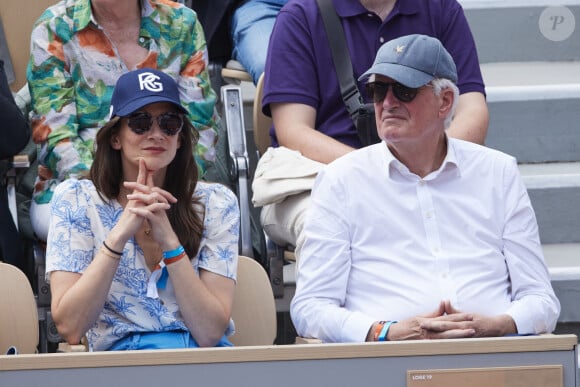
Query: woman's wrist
{"type": "Point", "coordinates": [115, 240]}
{"type": "Point", "coordinates": [170, 244]}
{"type": "Point", "coordinates": [173, 255]}
{"type": "Point", "coordinates": [111, 253]}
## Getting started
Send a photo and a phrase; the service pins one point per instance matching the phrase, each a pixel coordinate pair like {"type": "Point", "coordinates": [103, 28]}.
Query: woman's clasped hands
{"type": "Point", "coordinates": [147, 203]}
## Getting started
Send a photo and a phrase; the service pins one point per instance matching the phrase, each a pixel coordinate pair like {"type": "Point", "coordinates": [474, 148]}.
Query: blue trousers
{"type": "Point", "coordinates": [251, 28]}
{"type": "Point", "coordinates": [161, 340]}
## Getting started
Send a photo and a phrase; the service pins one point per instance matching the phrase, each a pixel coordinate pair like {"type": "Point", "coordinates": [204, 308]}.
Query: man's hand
{"type": "Point", "coordinates": [446, 322]}
{"type": "Point", "coordinates": [483, 326]}
{"type": "Point", "coordinates": [434, 325]}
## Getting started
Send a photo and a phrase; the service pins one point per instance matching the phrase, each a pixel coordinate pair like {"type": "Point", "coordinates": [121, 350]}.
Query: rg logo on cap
{"type": "Point", "coordinates": [147, 81]}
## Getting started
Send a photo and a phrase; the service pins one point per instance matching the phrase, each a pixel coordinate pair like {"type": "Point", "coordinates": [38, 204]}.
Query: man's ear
{"type": "Point", "coordinates": [447, 97]}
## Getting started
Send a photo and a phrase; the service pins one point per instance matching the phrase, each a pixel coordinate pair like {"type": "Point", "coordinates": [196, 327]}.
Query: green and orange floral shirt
{"type": "Point", "coordinates": [73, 69]}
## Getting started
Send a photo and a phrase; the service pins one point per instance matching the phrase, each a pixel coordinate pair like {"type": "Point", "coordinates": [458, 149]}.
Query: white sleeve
{"type": "Point", "coordinates": [535, 308]}
{"type": "Point", "coordinates": [325, 262]}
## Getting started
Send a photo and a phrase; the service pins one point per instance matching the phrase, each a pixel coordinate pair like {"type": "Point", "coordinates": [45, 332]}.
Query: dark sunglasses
{"type": "Point", "coordinates": [169, 123]}
{"type": "Point", "coordinates": [377, 91]}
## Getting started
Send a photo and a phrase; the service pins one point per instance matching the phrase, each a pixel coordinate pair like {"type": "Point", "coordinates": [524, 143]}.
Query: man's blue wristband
{"type": "Point", "coordinates": [385, 331]}
{"type": "Point", "coordinates": [173, 253]}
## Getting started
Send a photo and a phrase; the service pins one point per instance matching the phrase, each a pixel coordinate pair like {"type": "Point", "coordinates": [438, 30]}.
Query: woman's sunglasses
{"type": "Point", "coordinates": [377, 91]}
{"type": "Point", "coordinates": [169, 123]}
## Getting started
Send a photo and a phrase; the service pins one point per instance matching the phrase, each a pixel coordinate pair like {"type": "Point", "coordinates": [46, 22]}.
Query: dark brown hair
{"type": "Point", "coordinates": [180, 180]}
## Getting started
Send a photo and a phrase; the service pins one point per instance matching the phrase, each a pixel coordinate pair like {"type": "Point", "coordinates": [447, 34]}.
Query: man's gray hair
{"type": "Point", "coordinates": [441, 84]}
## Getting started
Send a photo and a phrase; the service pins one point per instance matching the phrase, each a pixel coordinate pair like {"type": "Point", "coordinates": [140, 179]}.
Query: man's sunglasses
{"type": "Point", "coordinates": [169, 123]}
{"type": "Point", "coordinates": [377, 91]}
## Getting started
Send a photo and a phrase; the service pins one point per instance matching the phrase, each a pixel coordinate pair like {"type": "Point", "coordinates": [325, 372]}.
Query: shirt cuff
{"type": "Point", "coordinates": [356, 328]}
{"type": "Point", "coordinates": [528, 319]}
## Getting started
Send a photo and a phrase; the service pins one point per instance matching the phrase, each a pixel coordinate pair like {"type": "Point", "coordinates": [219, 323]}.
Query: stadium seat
{"type": "Point", "coordinates": [18, 313]}
{"type": "Point", "coordinates": [254, 309]}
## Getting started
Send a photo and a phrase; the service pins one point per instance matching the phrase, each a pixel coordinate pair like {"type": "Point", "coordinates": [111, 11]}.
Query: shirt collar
{"type": "Point", "coordinates": [354, 7]}
{"type": "Point", "coordinates": [83, 15]}
{"type": "Point", "coordinates": [450, 162]}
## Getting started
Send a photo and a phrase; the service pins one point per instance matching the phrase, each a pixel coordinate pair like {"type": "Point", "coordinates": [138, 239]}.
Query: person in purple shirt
{"type": "Point", "coordinates": [305, 101]}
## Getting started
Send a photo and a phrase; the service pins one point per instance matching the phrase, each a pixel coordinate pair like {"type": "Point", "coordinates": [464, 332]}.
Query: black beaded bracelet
{"type": "Point", "coordinates": [111, 250]}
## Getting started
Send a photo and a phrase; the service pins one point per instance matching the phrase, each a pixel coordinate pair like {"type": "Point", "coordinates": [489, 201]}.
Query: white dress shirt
{"type": "Point", "coordinates": [384, 244]}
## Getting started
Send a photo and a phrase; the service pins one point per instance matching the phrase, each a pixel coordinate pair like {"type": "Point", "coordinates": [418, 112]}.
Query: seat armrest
{"type": "Point", "coordinates": [234, 73]}
{"type": "Point", "coordinates": [21, 161]}
{"type": "Point", "coordinates": [239, 160]}
{"type": "Point", "coordinates": [307, 340]}
{"type": "Point", "coordinates": [66, 347]}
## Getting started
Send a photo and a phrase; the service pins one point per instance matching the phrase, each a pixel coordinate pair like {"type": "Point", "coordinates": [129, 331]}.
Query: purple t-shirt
{"type": "Point", "coordinates": [299, 68]}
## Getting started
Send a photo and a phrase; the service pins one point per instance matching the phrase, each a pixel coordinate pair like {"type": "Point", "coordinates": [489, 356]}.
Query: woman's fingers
{"type": "Point", "coordinates": [149, 196]}
{"type": "Point", "coordinates": [143, 172]}
{"type": "Point", "coordinates": [150, 179]}
{"type": "Point", "coordinates": [149, 211]}
{"type": "Point", "coordinates": [161, 193]}
{"type": "Point", "coordinates": [145, 193]}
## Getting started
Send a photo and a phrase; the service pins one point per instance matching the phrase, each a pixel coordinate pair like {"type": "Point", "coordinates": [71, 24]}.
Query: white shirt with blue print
{"type": "Point", "coordinates": [80, 222]}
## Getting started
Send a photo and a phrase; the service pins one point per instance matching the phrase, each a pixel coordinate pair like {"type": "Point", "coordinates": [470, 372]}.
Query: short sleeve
{"type": "Point", "coordinates": [70, 240]}
{"type": "Point", "coordinates": [219, 247]}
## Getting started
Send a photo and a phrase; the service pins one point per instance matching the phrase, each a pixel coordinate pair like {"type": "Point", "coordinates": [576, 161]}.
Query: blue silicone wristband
{"type": "Point", "coordinates": [173, 253]}
{"type": "Point", "coordinates": [385, 331]}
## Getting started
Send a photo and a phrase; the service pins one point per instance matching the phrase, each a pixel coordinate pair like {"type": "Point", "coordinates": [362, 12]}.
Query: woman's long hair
{"type": "Point", "coordinates": [107, 176]}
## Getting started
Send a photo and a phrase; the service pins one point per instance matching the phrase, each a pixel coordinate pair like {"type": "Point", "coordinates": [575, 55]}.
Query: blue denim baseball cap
{"type": "Point", "coordinates": [141, 87]}
{"type": "Point", "coordinates": [413, 60]}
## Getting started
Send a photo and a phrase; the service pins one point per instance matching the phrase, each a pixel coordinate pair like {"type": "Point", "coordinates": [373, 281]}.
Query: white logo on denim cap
{"type": "Point", "coordinates": [147, 81]}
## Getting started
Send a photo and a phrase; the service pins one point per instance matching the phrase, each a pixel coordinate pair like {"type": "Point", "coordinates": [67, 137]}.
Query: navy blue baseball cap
{"type": "Point", "coordinates": [141, 87]}
{"type": "Point", "coordinates": [413, 60]}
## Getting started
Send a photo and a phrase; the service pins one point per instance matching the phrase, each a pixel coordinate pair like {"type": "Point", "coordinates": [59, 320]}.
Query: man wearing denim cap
{"type": "Point", "coordinates": [414, 61]}
{"type": "Point", "coordinates": [421, 236]}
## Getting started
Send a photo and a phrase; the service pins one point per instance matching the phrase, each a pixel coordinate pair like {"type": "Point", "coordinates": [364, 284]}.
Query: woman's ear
{"type": "Point", "coordinates": [115, 142]}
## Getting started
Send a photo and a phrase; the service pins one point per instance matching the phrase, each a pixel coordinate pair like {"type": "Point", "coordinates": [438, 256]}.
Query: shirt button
{"type": "Point", "coordinates": [141, 39]}
{"type": "Point", "coordinates": [382, 40]}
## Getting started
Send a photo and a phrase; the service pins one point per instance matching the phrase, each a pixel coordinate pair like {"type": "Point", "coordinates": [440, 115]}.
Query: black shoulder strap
{"type": "Point", "coordinates": [341, 57]}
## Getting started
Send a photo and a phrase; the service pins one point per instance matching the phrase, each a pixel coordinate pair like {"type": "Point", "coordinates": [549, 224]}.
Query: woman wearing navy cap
{"type": "Point", "coordinates": [140, 256]}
